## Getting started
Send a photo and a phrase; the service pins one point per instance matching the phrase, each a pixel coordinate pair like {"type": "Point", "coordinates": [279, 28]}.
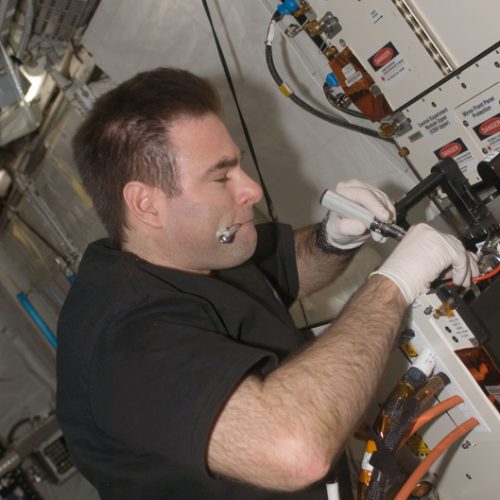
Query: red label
{"type": "Point", "coordinates": [490, 127]}
{"type": "Point", "coordinates": [450, 150]}
{"type": "Point", "coordinates": [383, 56]}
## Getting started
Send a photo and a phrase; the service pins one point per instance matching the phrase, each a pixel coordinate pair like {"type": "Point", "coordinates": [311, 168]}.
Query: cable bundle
{"type": "Point", "coordinates": [396, 422]}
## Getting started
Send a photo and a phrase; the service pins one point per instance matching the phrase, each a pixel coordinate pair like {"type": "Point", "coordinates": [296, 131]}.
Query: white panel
{"type": "Point", "coordinates": [469, 467]}
{"type": "Point", "coordinates": [439, 120]}
{"type": "Point", "coordinates": [370, 25]}
{"type": "Point", "coordinates": [445, 121]}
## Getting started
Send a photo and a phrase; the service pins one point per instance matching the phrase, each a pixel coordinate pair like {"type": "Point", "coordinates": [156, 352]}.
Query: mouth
{"type": "Point", "coordinates": [227, 235]}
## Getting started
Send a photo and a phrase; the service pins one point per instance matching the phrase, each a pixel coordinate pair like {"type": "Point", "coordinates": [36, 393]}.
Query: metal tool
{"type": "Point", "coordinates": [226, 235]}
{"type": "Point", "coordinates": [350, 209]}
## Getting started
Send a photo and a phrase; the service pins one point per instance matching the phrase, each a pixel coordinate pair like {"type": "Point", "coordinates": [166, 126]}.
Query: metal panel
{"type": "Point", "coordinates": [444, 121]}
{"type": "Point", "coordinates": [59, 19]}
{"type": "Point", "coordinates": [7, 10]}
{"type": "Point", "coordinates": [463, 29]}
{"type": "Point", "coordinates": [370, 26]}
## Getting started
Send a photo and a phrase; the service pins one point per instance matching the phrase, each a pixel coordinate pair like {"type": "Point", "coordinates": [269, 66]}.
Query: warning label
{"type": "Point", "coordinates": [482, 115]}
{"type": "Point", "coordinates": [457, 150]}
{"type": "Point", "coordinates": [489, 132]}
{"type": "Point", "coordinates": [389, 64]}
{"type": "Point", "coordinates": [436, 122]}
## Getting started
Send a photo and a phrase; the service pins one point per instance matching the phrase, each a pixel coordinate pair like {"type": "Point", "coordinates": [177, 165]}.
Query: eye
{"type": "Point", "coordinates": [223, 179]}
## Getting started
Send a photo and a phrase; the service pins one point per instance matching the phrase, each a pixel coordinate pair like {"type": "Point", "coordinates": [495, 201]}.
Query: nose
{"type": "Point", "coordinates": [249, 191]}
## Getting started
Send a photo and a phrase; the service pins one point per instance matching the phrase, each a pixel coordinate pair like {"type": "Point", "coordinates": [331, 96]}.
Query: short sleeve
{"type": "Point", "coordinates": [157, 386]}
{"type": "Point", "coordinates": [275, 256]}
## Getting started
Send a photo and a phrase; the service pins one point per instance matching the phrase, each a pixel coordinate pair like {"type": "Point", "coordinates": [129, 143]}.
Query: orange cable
{"type": "Point", "coordinates": [479, 278]}
{"type": "Point", "coordinates": [437, 451]}
{"type": "Point", "coordinates": [487, 275]}
{"type": "Point", "coordinates": [431, 413]}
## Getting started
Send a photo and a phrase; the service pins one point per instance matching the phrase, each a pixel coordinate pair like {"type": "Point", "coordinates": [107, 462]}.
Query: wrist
{"type": "Point", "coordinates": [323, 242]}
{"type": "Point", "coordinates": [404, 292]}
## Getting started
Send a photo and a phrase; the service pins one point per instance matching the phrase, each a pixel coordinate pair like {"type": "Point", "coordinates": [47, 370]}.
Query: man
{"type": "Point", "coordinates": [180, 373]}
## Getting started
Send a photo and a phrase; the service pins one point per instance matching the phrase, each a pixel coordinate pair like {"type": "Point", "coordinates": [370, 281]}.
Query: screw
{"type": "Point", "coordinates": [428, 310]}
{"type": "Point", "coordinates": [407, 334]}
{"type": "Point", "coordinates": [466, 123]}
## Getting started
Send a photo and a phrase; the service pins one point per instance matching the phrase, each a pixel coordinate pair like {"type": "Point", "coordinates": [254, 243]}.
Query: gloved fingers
{"type": "Point", "coordinates": [422, 256]}
{"type": "Point", "coordinates": [344, 233]}
{"type": "Point", "coordinates": [377, 237]}
{"type": "Point", "coordinates": [463, 263]}
{"type": "Point", "coordinates": [350, 227]}
{"type": "Point", "coordinates": [463, 272]}
{"type": "Point", "coordinates": [368, 196]}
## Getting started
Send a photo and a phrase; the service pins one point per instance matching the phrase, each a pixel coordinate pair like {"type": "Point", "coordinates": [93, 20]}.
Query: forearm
{"type": "Point", "coordinates": [316, 268]}
{"type": "Point", "coordinates": [302, 413]}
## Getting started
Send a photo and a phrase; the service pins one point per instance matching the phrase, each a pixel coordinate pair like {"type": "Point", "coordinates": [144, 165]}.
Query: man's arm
{"type": "Point", "coordinates": [315, 267]}
{"type": "Point", "coordinates": [285, 431]}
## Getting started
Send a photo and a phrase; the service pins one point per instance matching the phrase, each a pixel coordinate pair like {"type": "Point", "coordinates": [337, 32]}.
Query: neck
{"type": "Point", "coordinates": [146, 248]}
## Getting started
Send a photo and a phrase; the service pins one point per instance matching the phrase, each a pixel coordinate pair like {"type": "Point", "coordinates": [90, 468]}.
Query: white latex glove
{"type": "Point", "coordinates": [348, 233]}
{"type": "Point", "coordinates": [422, 255]}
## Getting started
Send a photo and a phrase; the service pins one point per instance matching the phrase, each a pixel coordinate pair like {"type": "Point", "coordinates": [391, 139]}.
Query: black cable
{"type": "Point", "coordinates": [329, 118]}
{"type": "Point", "coordinates": [267, 196]}
{"type": "Point", "coordinates": [274, 73]}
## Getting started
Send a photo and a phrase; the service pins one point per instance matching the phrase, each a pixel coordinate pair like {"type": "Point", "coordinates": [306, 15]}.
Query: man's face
{"type": "Point", "coordinates": [215, 193]}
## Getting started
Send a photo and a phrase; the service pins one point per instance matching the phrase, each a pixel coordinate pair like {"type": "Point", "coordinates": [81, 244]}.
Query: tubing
{"type": "Point", "coordinates": [431, 413]}
{"type": "Point", "coordinates": [437, 451]}
{"type": "Point", "coordinates": [46, 331]}
{"type": "Point", "coordinates": [293, 97]}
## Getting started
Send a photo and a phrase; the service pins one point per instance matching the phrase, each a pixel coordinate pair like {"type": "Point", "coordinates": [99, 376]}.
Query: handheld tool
{"type": "Point", "coordinates": [350, 209]}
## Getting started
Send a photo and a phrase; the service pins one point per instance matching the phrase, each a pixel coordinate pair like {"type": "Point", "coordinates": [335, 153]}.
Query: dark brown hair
{"type": "Point", "coordinates": [125, 138]}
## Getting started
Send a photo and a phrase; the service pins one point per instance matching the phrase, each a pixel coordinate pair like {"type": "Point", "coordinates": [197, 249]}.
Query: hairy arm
{"type": "Point", "coordinates": [285, 431]}
{"type": "Point", "coordinates": [316, 268]}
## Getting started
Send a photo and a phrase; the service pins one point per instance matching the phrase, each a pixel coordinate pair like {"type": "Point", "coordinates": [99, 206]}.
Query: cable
{"type": "Point", "coordinates": [267, 196]}
{"type": "Point", "coordinates": [431, 413]}
{"type": "Point", "coordinates": [478, 279]}
{"type": "Point", "coordinates": [285, 89]}
{"type": "Point", "coordinates": [486, 276]}
{"type": "Point", "coordinates": [436, 452]}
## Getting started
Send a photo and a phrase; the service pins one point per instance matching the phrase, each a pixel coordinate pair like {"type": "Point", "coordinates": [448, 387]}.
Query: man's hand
{"type": "Point", "coordinates": [347, 233]}
{"type": "Point", "coordinates": [422, 256]}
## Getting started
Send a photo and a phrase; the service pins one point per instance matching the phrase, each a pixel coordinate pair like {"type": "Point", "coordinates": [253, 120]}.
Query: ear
{"type": "Point", "coordinates": [141, 201]}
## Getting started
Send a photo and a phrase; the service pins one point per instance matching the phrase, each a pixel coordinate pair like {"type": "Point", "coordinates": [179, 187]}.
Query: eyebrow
{"type": "Point", "coordinates": [225, 162]}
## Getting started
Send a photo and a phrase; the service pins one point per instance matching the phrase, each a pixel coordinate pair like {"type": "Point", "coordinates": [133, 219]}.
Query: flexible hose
{"type": "Point", "coordinates": [307, 107]}
{"type": "Point", "coordinates": [393, 422]}
{"type": "Point", "coordinates": [431, 413]}
{"type": "Point", "coordinates": [437, 451]}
